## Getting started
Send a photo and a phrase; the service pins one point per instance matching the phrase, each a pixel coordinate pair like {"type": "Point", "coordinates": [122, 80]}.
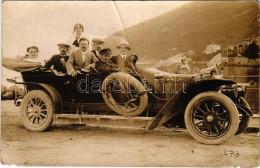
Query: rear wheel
{"type": "Point", "coordinates": [211, 118]}
{"type": "Point", "coordinates": [37, 111]}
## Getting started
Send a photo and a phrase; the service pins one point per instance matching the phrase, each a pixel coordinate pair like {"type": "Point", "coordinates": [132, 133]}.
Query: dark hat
{"type": "Point", "coordinates": [105, 50]}
{"type": "Point", "coordinates": [99, 40]}
{"type": "Point", "coordinates": [32, 47]}
{"type": "Point", "coordinates": [63, 44]}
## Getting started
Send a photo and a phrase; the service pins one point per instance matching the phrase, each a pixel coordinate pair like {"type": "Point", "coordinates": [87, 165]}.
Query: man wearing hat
{"type": "Point", "coordinates": [97, 46]}
{"type": "Point", "coordinates": [123, 48]}
{"type": "Point", "coordinates": [58, 61]}
{"type": "Point", "coordinates": [104, 65]}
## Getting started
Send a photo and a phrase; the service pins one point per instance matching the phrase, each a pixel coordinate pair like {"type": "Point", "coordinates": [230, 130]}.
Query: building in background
{"type": "Point", "coordinates": [212, 48]}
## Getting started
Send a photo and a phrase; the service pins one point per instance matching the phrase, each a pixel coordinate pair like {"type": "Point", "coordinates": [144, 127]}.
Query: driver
{"type": "Point", "coordinates": [104, 65]}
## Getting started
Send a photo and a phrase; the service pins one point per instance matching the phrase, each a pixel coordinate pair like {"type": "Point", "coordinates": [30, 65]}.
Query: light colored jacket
{"type": "Point", "coordinates": [75, 62]}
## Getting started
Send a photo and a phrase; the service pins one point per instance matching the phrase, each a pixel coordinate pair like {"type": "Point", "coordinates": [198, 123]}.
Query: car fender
{"type": "Point", "coordinates": [179, 101]}
{"type": "Point", "coordinates": [53, 93]}
{"type": "Point", "coordinates": [244, 110]}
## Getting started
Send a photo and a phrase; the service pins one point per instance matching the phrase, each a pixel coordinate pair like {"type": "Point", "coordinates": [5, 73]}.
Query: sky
{"type": "Point", "coordinates": [46, 23]}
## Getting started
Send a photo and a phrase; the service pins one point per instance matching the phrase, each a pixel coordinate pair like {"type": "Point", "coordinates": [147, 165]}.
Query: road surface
{"type": "Point", "coordinates": [70, 145]}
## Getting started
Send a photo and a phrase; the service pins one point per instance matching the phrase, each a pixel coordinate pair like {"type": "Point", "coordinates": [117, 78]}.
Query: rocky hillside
{"type": "Point", "coordinates": [192, 26]}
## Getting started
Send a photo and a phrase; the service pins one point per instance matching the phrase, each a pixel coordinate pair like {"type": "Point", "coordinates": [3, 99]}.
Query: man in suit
{"type": "Point", "coordinates": [58, 61]}
{"type": "Point", "coordinates": [80, 59]}
{"type": "Point", "coordinates": [119, 59]}
{"type": "Point", "coordinates": [104, 65]}
{"type": "Point", "coordinates": [97, 46]}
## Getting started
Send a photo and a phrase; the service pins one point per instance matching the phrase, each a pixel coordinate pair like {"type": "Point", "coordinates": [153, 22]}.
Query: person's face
{"type": "Point", "coordinates": [32, 53]}
{"type": "Point", "coordinates": [106, 56]}
{"type": "Point", "coordinates": [78, 30]}
{"type": "Point", "coordinates": [63, 50]}
{"type": "Point", "coordinates": [83, 45]}
{"type": "Point", "coordinates": [123, 50]}
{"type": "Point", "coordinates": [97, 46]}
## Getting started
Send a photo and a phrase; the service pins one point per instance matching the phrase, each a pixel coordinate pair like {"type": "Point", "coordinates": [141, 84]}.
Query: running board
{"type": "Point", "coordinates": [107, 120]}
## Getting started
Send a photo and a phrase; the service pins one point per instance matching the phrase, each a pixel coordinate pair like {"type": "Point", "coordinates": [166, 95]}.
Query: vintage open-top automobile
{"type": "Point", "coordinates": [213, 109]}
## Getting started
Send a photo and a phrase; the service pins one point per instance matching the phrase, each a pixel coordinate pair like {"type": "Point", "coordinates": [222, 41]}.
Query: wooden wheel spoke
{"type": "Point", "coordinates": [34, 118]}
{"type": "Point", "coordinates": [37, 101]}
{"type": "Point", "coordinates": [199, 122]}
{"type": "Point", "coordinates": [43, 115]}
{"type": "Point", "coordinates": [216, 129]}
{"type": "Point", "coordinates": [31, 116]}
{"type": "Point", "coordinates": [42, 104]}
{"type": "Point", "coordinates": [40, 118]}
{"type": "Point", "coordinates": [198, 116]}
{"type": "Point", "coordinates": [223, 119]}
{"type": "Point", "coordinates": [221, 114]}
{"type": "Point", "coordinates": [201, 110]}
{"type": "Point", "coordinates": [202, 127]}
{"type": "Point", "coordinates": [45, 111]}
{"type": "Point", "coordinates": [221, 127]}
{"type": "Point", "coordinates": [209, 130]}
{"type": "Point", "coordinates": [31, 104]}
{"type": "Point", "coordinates": [133, 104]}
{"type": "Point", "coordinates": [206, 106]}
{"type": "Point", "coordinates": [216, 110]}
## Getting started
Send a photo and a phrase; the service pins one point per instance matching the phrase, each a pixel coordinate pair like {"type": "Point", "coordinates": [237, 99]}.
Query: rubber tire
{"type": "Point", "coordinates": [50, 110]}
{"type": "Point", "coordinates": [222, 99]}
{"type": "Point", "coordinates": [124, 77]}
{"type": "Point", "coordinates": [245, 120]}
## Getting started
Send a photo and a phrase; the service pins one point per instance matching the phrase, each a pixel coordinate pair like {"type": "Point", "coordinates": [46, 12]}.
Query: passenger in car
{"type": "Point", "coordinates": [184, 67]}
{"type": "Point", "coordinates": [32, 52]}
{"type": "Point", "coordinates": [104, 65]}
{"type": "Point", "coordinates": [80, 59]}
{"type": "Point", "coordinates": [97, 46]}
{"type": "Point", "coordinates": [58, 62]}
{"type": "Point", "coordinates": [119, 59]}
{"type": "Point", "coordinates": [73, 39]}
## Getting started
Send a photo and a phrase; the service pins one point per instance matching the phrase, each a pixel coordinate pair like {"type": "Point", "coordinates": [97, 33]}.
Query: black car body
{"type": "Point", "coordinates": [213, 109]}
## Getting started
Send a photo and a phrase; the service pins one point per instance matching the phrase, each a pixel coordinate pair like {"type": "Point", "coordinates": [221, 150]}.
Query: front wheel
{"type": "Point", "coordinates": [37, 111]}
{"type": "Point", "coordinates": [211, 118]}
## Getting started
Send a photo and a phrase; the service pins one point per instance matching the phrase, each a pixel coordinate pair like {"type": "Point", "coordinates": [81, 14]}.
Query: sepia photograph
{"type": "Point", "coordinates": [130, 83]}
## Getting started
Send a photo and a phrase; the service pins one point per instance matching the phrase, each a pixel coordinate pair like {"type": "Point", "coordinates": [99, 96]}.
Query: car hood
{"type": "Point", "coordinates": [152, 74]}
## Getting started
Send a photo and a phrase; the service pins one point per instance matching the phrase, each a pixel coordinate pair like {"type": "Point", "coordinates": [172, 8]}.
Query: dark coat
{"type": "Point", "coordinates": [104, 67]}
{"type": "Point", "coordinates": [58, 62]}
{"type": "Point", "coordinates": [95, 53]}
{"type": "Point", "coordinates": [118, 60]}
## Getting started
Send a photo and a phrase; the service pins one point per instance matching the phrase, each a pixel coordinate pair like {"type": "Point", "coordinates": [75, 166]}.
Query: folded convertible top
{"type": "Point", "coordinates": [19, 65]}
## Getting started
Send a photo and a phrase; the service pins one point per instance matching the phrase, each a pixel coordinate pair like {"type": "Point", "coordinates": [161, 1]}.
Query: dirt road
{"type": "Point", "coordinates": [68, 145]}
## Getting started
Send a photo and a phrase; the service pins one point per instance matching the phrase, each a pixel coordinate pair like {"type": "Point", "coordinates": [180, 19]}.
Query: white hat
{"type": "Point", "coordinates": [124, 43]}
